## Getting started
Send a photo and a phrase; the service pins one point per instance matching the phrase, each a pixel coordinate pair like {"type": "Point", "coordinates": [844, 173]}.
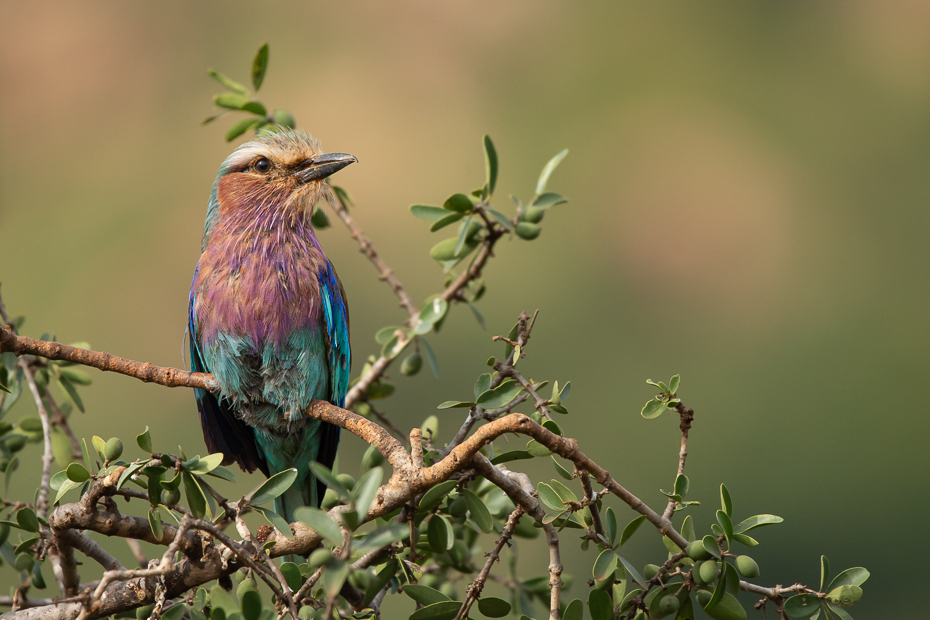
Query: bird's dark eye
{"type": "Point", "coordinates": [262, 165]}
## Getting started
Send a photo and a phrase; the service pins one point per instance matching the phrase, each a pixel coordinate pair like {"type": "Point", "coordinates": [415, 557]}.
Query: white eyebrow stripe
{"type": "Point", "coordinates": [247, 153]}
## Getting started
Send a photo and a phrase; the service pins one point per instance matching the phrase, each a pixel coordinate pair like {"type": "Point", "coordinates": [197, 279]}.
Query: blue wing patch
{"type": "Point", "coordinates": [336, 313]}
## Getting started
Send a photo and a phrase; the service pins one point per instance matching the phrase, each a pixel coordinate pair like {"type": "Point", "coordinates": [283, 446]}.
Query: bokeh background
{"type": "Point", "coordinates": [749, 207]}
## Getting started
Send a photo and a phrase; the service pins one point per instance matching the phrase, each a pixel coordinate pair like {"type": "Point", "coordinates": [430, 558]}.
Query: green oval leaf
{"type": "Point", "coordinates": [534, 448]}
{"type": "Point", "coordinates": [155, 523]}
{"type": "Point", "coordinates": [492, 607]}
{"type": "Point", "coordinates": [27, 520]}
{"type": "Point", "coordinates": [430, 214]}
{"type": "Point", "coordinates": [273, 487]}
{"type": "Point", "coordinates": [605, 565]}
{"type": "Point", "coordinates": [547, 171]}
{"type": "Point", "coordinates": [434, 496]}
{"type": "Point", "coordinates": [512, 455]}
{"type": "Point", "coordinates": [549, 498]}
{"type": "Point", "coordinates": [501, 395]}
{"type": "Point", "coordinates": [439, 534]}
{"type": "Point", "coordinates": [177, 611]}
{"type": "Point", "coordinates": [757, 521]}
{"type": "Point", "coordinates": [599, 605]}
{"type": "Point", "coordinates": [445, 249]}
{"type": "Point", "coordinates": [434, 310]}
{"type": "Point", "coordinates": [802, 606]}
{"type": "Point", "coordinates": [849, 577]}
{"type": "Point", "coordinates": [144, 440]}
{"type": "Point", "coordinates": [242, 126]}
{"type": "Point", "coordinates": [549, 199]}
{"type": "Point", "coordinates": [228, 83]}
{"type": "Point", "coordinates": [196, 499]}
{"type": "Point", "coordinates": [574, 610]}
{"type": "Point", "coordinates": [653, 409]}
{"type": "Point", "coordinates": [251, 605]}
{"type": "Point", "coordinates": [444, 610]}
{"type": "Point", "coordinates": [479, 513]}
{"type": "Point", "coordinates": [725, 502]}
{"type": "Point", "coordinates": [424, 595]}
{"type": "Point", "coordinates": [455, 404]}
{"type": "Point", "coordinates": [490, 168]}
{"type": "Point", "coordinates": [446, 220]}
{"type": "Point", "coordinates": [366, 490]}
{"type": "Point", "coordinates": [631, 528]}
{"type": "Point", "coordinates": [610, 525]}
{"type": "Point", "coordinates": [319, 522]}
{"type": "Point", "coordinates": [259, 66]}
{"type": "Point", "coordinates": [324, 474]}
{"type": "Point", "coordinates": [77, 473]}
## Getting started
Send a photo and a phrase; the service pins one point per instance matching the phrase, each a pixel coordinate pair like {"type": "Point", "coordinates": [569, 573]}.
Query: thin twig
{"type": "Point", "coordinates": [365, 247]}
{"type": "Point", "coordinates": [686, 417]}
{"type": "Point", "coordinates": [591, 499]}
{"type": "Point", "coordinates": [47, 456]}
{"type": "Point", "coordinates": [474, 590]}
{"type": "Point", "coordinates": [65, 572]}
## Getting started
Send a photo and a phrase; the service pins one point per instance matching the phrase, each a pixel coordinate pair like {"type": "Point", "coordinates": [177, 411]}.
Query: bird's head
{"type": "Point", "coordinates": [274, 175]}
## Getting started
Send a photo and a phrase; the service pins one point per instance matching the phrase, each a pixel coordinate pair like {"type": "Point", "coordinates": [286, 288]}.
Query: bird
{"type": "Point", "coordinates": [268, 314]}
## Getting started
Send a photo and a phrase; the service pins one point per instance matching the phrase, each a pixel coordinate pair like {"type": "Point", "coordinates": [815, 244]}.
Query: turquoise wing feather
{"type": "Point", "coordinates": [336, 314]}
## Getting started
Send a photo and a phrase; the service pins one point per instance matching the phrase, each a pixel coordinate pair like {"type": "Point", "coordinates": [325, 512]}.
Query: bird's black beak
{"type": "Point", "coordinates": [323, 165]}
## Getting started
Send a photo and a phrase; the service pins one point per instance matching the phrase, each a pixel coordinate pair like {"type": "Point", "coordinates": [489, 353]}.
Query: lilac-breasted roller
{"type": "Point", "coordinates": [268, 314]}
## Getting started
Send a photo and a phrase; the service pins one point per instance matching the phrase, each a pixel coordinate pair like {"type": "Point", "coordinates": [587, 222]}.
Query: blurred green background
{"type": "Point", "coordinates": [748, 186]}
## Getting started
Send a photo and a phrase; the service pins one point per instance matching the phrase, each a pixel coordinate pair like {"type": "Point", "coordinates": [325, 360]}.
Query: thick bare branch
{"type": "Point", "coordinates": [169, 377]}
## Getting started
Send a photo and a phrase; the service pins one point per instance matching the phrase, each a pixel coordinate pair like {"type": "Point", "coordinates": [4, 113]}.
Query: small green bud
{"type": "Point", "coordinates": [284, 118]}
{"type": "Point", "coordinates": [650, 571]}
{"type": "Point", "coordinates": [15, 443]}
{"type": "Point", "coordinates": [320, 557]}
{"type": "Point", "coordinates": [696, 550]}
{"type": "Point", "coordinates": [412, 364]}
{"type": "Point", "coordinates": [668, 605]}
{"type": "Point", "coordinates": [709, 571]}
{"type": "Point", "coordinates": [170, 497]}
{"type": "Point", "coordinates": [347, 480]}
{"type": "Point", "coordinates": [532, 214]}
{"type": "Point", "coordinates": [244, 586]}
{"type": "Point", "coordinates": [747, 567]}
{"type": "Point", "coordinates": [113, 449]}
{"type": "Point", "coordinates": [696, 574]}
{"type": "Point", "coordinates": [527, 230]}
